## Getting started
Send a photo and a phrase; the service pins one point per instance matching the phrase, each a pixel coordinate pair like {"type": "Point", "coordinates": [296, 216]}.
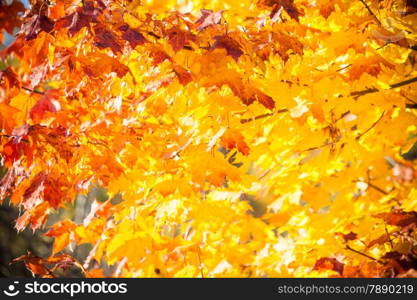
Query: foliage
{"type": "Point", "coordinates": [245, 138]}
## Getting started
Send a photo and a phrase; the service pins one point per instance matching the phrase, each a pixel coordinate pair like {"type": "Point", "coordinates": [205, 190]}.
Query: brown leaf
{"type": "Point", "coordinates": [264, 99]}
{"type": "Point", "coordinates": [379, 241]}
{"type": "Point", "coordinates": [184, 76]}
{"type": "Point", "coordinates": [351, 236]}
{"type": "Point", "coordinates": [287, 5]}
{"type": "Point", "coordinates": [134, 37]}
{"type": "Point", "coordinates": [104, 38]}
{"type": "Point", "coordinates": [82, 17]}
{"type": "Point", "coordinates": [35, 25]}
{"type": "Point", "coordinates": [35, 264]}
{"type": "Point", "coordinates": [399, 218]}
{"type": "Point", "coordinates": [411, 6]}
{"type": "Point", "coordinates": [64, 262]}
{"type": "Point", "coordinates": [159, 56]}
{"type": "Point", "coordinates": [329, 263]}
{"type": "Point", "coordinates": [178, 38]}
{"type": "Point", "coordinates": [232, 47]}
{"type": "Point", "coordinates": [400, 262]}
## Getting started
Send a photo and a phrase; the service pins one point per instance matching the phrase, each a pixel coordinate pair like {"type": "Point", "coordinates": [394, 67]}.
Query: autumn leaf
{"type": "Point", "coordinates": [229, 44]}
{"type": "Point", "coordinates": [36, 24]}
{"type": "Point", "coordinates": [134, 37]}
{"type": "Point", "coordinates": [268, 138]}
{"type": "Point", "coordinates": [329, 263]}
{"type": "Point", "coordinates": [82, 17]}
{"type": "Point", "coordinates": [104, 38]}
{"type": "Point", "coordinates": [208, 18]}
{"type": "Point", "coordinates": [47, 103]}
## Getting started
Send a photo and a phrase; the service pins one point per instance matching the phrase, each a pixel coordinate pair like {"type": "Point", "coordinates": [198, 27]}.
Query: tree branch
{"type": "Point", "coordinates": [358, 94]}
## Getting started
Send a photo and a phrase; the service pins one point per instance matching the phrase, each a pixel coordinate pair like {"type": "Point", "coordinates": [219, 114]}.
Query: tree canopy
{"type": "Point", "coordinates": [268, 138]}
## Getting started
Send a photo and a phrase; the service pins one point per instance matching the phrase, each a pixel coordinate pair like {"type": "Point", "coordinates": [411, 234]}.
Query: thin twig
{"type": "Point", "coordinates": [372, 126]}
{"type": "Point", "coordinates": [370, 11]}
{"type": "Point", "coordinates": [199, 260]}
{"type": "Point", "coordinates": [363, 254]}
{"type": "Point", "coordinates": [33, 91]}
{"type": "Point", "coordinates": [377, 188]}
{"type": "Point", "coordinates": [358, 94]}
{"type": "Point", "coordinates": [389, 237]}
{"type": "Point", "coordinates": [244, 121]}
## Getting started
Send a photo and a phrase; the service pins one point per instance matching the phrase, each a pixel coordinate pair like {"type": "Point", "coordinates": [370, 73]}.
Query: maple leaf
{"type": "Point", "coordinates": [179, 38]}
{"type": "Point", "coordinates": [9, 16]}
{"type": "Point", "coordinates": [159, 56]}
{"type": "Point", "coordinates": [329, 263]}
{"type": "Point", "coordinates": [8, 181]}
{"type": "Point", "coordinates": [104, 38]}
{"type": "Point", "coordinates": [183, 123]}
{"type": "Point", "coordinates": [82, 17]}
{"type": "Point", "coordinates": [47, 103]}
{"type": "Point", "coordinates": [35, 25]}
{"type": "Point", "coordinates": [61, 232]}
{"type": "Point", "coordinates": [288, 5]}
{"type": "Point", "coordinates": [229, 44]}
{"type": "Point", "coordinates": [13, 150]}
{"type": "Point", "coordinates": [233, 139]}
{"type": "Point", "coordinates": [184, 76]}
{"type": "Point", "coordinates": [33, 193]}
{"type": "Point", "coordinates": [35, 264]}
{"type": "Point", "coordinates": [134, 37]}
{"type": "Point", "coordinates": [36, 217]}
{"type": "Point", "coordinates": [351, 236]}
{"type": "Point", "coordinates": [208, 18]}
{"type": "Point", "coordinates": [399, 218]}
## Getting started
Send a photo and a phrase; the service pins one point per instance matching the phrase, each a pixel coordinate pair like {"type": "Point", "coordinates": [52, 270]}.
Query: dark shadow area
{"type": "Point", "coordinates": [14, 244]}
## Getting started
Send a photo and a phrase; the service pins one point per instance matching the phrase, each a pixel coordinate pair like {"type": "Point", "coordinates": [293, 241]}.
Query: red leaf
{"type": "Point", "coordinates": [184, 76]}
{"type": "Point", "coordinates": [47, 103]}
{"type": "Point", "coordinates": [36, 217]}
{"type": "Point", "coordinates": [33, 193]}
{"type": "Point", "coordinates": [264, 99]}
{"type": "Point", "coordinates": [159, 56]}
{"type": "Point", "coordinates": [232, 138]}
